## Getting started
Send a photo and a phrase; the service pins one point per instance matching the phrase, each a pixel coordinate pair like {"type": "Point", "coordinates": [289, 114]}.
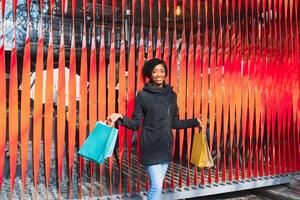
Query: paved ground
{"type": "Point", "coordinates": [244, 195]}
{"type": "Point", "coordinates": [282, 192]}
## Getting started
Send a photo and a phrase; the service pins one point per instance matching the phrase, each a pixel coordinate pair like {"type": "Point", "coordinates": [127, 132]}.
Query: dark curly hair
{"type": "Point", "coordinates": [149, 66]}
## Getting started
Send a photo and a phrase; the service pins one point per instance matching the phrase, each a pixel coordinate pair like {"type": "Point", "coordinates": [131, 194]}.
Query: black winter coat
{"type": "Point", "coordinates": [158, 107]}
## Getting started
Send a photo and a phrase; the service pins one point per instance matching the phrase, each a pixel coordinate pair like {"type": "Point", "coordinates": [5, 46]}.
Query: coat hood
{"type": "Point", "coordinates": [165, 90]}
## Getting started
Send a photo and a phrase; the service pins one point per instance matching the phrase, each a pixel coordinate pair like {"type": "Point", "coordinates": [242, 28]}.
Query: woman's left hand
{"type": "Point", "coordinates": [200, 123]}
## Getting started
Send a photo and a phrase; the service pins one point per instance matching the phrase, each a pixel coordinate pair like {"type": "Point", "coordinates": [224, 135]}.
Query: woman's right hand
{"type": "Point", "coordinates": [114, 117]}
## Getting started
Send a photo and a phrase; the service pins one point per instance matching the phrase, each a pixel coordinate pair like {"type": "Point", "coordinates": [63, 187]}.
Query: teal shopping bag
{"type": "Point", "coordinates": [100, 143]}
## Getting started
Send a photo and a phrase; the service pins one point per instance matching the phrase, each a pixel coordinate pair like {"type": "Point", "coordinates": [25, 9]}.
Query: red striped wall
{"type": "Point", "coordinates": [239, 71]}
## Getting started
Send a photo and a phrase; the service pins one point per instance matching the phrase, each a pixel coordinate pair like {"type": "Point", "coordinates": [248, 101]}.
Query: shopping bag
{"type": "Point", "coordinates": [100, 143]}
{"type": "Point", "coordinates": [201, 155]}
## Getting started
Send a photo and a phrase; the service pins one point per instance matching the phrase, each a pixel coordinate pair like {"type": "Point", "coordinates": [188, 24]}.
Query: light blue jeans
{"type": "Point", "coordinates": [156, 174]}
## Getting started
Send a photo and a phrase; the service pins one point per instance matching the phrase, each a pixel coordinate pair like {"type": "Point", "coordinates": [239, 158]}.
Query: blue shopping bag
{"type": "Point", "coordinates": [100, 143]}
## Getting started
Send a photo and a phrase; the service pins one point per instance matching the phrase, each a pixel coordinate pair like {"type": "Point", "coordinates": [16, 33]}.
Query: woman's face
{"type": "Point", "coordinates": [158, 75]}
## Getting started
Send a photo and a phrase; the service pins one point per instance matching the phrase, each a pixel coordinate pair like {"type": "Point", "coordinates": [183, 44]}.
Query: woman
{"type": "Point", "coordinates": [156, 104]}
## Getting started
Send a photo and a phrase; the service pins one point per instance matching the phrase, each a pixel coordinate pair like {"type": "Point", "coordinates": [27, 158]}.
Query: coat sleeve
{"type": "Point", "coordinates": [178, 124]}
{"type": "Point", "coordinates": [137, 115]}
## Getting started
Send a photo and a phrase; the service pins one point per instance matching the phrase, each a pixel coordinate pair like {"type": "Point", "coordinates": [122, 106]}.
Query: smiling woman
{"type": "Point", "coordinates": [157, 105]}
{"type": "Point", "coordinates": [156, 71]}
{"type": "Point", "coordinates": [158, 75]}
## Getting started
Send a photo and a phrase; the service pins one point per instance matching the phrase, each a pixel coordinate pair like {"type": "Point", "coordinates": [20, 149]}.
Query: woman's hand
{"type": "Point", "coordinates": [200, 123]}
{"type": "Point", "coordinates": [114, 117]}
